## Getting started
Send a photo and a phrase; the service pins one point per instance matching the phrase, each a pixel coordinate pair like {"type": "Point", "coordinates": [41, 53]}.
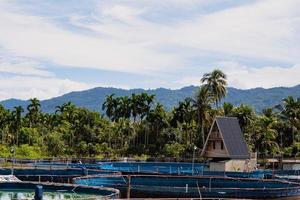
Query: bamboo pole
{"type": "Point", "coordinates": [129, 186]}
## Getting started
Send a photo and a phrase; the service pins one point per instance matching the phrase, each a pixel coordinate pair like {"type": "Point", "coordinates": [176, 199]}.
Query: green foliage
{"type": "Point", "coordinates": [137, 125]}
{"type": "Point", "coordinates": [26, 151]}
{"type": "Point", "coordinates": [4, 151]}
{"type": "Point", "coordinates": [292, 150]}
{"type": "Point", "coordinates": [216, 83]}
{"type": "Point", "coordinates": [174, 149]}
{"type": "Point", "coordinates": [55, 144]}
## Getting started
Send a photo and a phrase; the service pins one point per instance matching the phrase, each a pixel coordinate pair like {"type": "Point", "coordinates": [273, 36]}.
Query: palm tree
{"type": "Point", "coordinates": [5, 118]}
{"type": "Point", "coordinates": [184, 114]}
{"type": "Point", "coordinates": [182, 111]}
{"type": "Point", "coordinates": [216, 84]}
{"type": "Point", "coordinates": [134, 106]}
{"type": "Point", "coordinates": [17, 121]}
{"type": "Point", "coordinates": [202, 103]}
{"type": "Point", "coordinates": [125, 107]}
{"type": "Point", "coordinates": [227, 108]}
{"type": "Point", "coordinates": [145, 103]}
{"type": "Point", "coordinates": [290, 114]}
{"type": "Point", "coordinates": [69, 111]}
{"type": "Point", "coordinates": [109, 106]}
{"type": "Point", "coordinates": [266, 133]}
{"type": "Point", "coordinates": [62, 108]}
{"type": "Point", "coordinates": [157, 119]}
{"type": "Point", "coordinates": [245, 115]}
{"type": "Point", "coordinates": [33, 111]}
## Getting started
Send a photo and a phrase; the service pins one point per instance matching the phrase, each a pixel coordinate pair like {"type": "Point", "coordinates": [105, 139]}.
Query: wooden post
{"type": "Point", "coordinates": [128, 188]}
{"type": "Point", "coordinates": [38, 193]}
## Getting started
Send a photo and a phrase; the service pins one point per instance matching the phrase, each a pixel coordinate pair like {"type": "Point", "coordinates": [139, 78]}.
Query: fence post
{"type": "Point", "coordinates": [129, 186]}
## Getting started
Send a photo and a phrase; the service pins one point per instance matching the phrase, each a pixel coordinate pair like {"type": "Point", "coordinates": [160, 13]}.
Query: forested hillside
{"type": "Point", "coordinates": [92, 99]}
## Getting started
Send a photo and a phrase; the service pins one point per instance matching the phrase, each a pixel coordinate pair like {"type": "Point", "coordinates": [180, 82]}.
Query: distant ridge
{"type": "Point", "coordinates": [92, 99]}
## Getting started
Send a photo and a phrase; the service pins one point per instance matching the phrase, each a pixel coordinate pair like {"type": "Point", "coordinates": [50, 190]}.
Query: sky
{"type": "Point", "coordinates": [51, 47]}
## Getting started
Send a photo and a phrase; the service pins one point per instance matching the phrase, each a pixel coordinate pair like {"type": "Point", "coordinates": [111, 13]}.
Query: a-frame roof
{"type": "Point", "coordinates": [232, 136]}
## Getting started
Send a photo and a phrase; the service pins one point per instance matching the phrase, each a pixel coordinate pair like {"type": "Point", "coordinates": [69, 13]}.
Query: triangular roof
{"type": "Point", "coordinates": [232, 136]}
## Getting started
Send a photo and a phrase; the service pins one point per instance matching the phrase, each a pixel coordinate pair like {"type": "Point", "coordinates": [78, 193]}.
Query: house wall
{"type": "Point", "coordinates": [252, 165]}
{"type": "Point", "coordinates": [215, 146]}
{"type": "Point", "coordinates": [217, 166]}
{"type": "Point", "coordinates": [291, 166]}
{"type": "Point", "coordinates": [233, 165]}
{"type": "Point", "coordinates": [236, 165]}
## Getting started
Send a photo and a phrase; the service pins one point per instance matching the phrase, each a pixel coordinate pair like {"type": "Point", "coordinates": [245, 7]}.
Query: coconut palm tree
{"type": "Point", "coordinates": [289, 112]}
{"type": "Point", "coordinates": [216, 84]}
{"type": "Point", "coordinates": [202, 104]}
{"type": "Point", "coordinates": [245, 115]}
{"type": "Point", "coordinates": [184, 115]}
{"type": "Point", "coordinates": [266, 133]}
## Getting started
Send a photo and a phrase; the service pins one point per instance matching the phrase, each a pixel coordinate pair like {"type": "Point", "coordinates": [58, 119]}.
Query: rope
{"type": "Point", "coordinates": [200, 196]}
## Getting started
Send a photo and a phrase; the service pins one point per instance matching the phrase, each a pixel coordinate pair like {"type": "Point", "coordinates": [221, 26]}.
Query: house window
{"type": "Point", "coordinates": [222, 145]}
{"type": "Point", "coordinates": [214, 145]}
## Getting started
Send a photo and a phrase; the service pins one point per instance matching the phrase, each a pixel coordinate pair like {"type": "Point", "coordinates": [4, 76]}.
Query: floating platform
{"type": "Point", "coordinates": [153, 167]}
{"type": "Point", "coordinates": [168, 186]}
{"type": "Point", "coordinates": [53, 174]}
{"type": "Point", "coordinates": [26, 190]}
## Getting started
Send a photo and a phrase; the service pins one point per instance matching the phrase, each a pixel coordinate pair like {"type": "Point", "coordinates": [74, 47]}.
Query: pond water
{"type": "Point", "coordinates": [47, 195]}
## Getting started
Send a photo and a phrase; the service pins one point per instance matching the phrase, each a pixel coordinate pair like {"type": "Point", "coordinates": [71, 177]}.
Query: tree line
{"type": "Point", "coordinates": [139, 125]}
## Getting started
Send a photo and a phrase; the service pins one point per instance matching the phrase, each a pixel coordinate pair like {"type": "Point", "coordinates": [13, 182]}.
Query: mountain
{"type": "Point", "coordinates": [11, 103]}
{"type": "Point", "coordinates": [92, 99]}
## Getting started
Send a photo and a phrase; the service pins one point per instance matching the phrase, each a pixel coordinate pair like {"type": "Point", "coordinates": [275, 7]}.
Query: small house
{"type": "Point", "coordinates": [286, 164]}
{"type": "Point", "coordinates": [226, 147]}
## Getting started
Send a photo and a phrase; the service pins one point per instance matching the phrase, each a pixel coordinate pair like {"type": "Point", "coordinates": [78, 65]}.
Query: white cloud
{"type": "Point", "coordinates": [24, 87]}
{"type": "Point", "coordinates": [242, 76]}
{"type": "Point", "coordinates": [264, 30]}
{"type": "Point", "coordinates": [125, 41]}
{"type": "Point", "coordinates": [245, 77]}
{"type": "Point", "coordinates": [23, 68]}
{"type": "Point", "coordinates": [37, 38]}
{"type": "Point", "coordinates": [120, 36]}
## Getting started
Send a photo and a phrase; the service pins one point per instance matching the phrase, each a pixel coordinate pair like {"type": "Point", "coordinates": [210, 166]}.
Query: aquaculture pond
{"type": "Point", "coordinates": [27, 190]}
{"type": "Point", "coordinates": [14, 194]}
{"type": "Point", "coordinates": [59, 175]}
{"type": "Point", "coordinates": [153, 167]}
{"type": "Point", "coordinates": [170, 186]}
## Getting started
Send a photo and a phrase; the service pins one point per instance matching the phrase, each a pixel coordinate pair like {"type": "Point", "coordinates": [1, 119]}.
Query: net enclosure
{"type": "Point", "coordinates": [159, 186]}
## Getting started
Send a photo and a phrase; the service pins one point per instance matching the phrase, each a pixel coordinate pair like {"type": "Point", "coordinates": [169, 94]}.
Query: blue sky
{"type": "Point", "coordinates": [51, 47]}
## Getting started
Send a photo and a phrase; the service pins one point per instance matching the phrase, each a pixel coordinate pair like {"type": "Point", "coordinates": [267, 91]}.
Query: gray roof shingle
{"type": "Point", "coordinates": [233, 137]}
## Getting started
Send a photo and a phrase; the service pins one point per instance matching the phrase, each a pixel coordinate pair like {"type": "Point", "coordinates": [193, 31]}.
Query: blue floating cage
{"type": "Point", "coordinates": [170, 186]}
{"type": "Point", "coordinates": [97, 192]}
